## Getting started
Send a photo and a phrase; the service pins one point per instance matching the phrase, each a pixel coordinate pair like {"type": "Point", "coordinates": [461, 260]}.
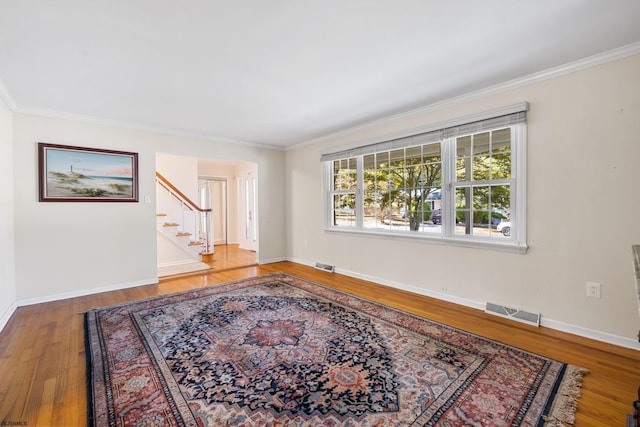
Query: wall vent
{"type": "Point", "coordinates": [325, 267]}
{"type": "Point", "coordinates": [513, 313]}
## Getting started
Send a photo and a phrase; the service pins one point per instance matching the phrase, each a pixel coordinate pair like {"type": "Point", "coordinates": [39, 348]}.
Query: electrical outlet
{"type": "Point", "coordinates": [593, 290]}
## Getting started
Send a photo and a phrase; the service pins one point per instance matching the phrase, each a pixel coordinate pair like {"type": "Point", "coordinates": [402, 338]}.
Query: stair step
{"type": "Point", "coordinates": [170, 224]}
{"type": "Point", "coordinates": [161, 214]}
{"type": "Point", "coordinates": [195, 243]}
{"type": "Point", "coordinates": [182, 234]}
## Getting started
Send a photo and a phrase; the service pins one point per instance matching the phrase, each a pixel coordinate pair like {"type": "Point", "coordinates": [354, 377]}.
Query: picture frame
{"type": "Point", "coordinates": [81, 174]}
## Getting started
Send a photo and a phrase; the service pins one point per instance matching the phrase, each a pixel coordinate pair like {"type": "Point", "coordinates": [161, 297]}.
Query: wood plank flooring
{"type": "Point", "coordinates": [42, 356]}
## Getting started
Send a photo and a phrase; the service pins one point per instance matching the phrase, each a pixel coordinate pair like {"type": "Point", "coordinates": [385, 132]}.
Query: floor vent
{"type": "Point", "coordinates": [514, 314]}
{"type": "Point", "coordinates": [325, 267]}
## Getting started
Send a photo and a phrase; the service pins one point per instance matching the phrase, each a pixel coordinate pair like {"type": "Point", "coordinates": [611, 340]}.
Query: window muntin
{"type": "Point", "coordinates": [402, 189]}
{"type": "Point", "coordinates": [458, 187]}
{"type": "Point", "coordinates": [343, 188]}
{"type": "Point", "coordinates": [483, 183]}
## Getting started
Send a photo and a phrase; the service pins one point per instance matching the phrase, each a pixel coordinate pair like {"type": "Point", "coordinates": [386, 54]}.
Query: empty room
{"type": "Point", "coordinates": [319, 214]}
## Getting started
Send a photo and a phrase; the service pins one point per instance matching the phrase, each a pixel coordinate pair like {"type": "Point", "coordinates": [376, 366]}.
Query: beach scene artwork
{"type": "Point", "coordinates": [79, 174]}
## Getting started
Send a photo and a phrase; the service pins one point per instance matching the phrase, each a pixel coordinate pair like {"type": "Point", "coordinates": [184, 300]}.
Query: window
{"type": "Point", "coordinates": [343, 190]}
{"type": "Point", "coordinates": [461, 184]}
{"type": "Point", "coordinates": [401, 188]}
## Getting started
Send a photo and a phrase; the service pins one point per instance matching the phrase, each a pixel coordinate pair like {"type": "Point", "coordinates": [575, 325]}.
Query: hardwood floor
{"type": "Point", "coordinates": [226, 257]}
{"type": "Point", "coordinates": [42, 358]}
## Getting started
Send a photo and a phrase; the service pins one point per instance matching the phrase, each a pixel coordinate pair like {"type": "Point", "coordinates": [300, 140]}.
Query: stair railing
{"type": "Point", "coordinates": [195, 220]}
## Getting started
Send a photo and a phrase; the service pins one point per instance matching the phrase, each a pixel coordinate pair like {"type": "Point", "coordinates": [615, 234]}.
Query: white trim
{"type": "Point", "coordinates": [85, 292]}
{"type": "Point", "coordinates": [590, 333]}
{"type": "Point", "coordinates": [7, 315]}
{"type": "Point", "coordinates": [601, 336]}
{"type": "Point", "coordinates": [476, 243]}
{"type": "Point", "coordinates": [516, 243]}
{"type": "Point", "coordinates": [137, 126]}
{"type": "Point", "coordinates": [561, 70]}
{"type": "Point", "coordinates": [581, 64]}
{"type": "Point", "coordinates": [176, 263]}
{"type": "Point", "coordinates": [397, 285]}
{"type": "Point", "coordinates": [271, 260]}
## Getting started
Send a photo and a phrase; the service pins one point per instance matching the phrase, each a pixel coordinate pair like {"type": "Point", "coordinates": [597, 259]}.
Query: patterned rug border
{"type": "Point", "coordinates": [559, 410]}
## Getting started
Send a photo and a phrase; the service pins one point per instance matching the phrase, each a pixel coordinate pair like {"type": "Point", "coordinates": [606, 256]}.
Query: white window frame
{"type": "Point", "coordinates": [449, 132]}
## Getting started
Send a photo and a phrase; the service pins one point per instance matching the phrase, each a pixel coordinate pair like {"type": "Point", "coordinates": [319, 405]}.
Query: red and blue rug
{"type": "Point", "coordinates": [277, 350]}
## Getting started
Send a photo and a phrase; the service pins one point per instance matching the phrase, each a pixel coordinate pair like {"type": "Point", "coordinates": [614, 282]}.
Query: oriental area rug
{"type": "Point", "coordinates": [278, 350]}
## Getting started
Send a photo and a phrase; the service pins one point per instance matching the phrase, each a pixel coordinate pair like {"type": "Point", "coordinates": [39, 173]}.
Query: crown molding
{"type": "Point", "coordinates": [568, 68]}
{"type": "Point", "coordinates": [18, 109]}
{"type": "Point", "coordinates": [145, 128]}
{"type": "Point", "coordinates": [588, 62]}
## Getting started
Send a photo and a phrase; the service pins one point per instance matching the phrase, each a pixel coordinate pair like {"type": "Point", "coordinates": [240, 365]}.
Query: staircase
{"type": "Point", "coordinates": [181, 239]}
{"type": "Point", "coordinates": [186, 225]}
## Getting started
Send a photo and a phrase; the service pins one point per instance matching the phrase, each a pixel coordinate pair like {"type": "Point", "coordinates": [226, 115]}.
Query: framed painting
{"type": "Point", "coordinates": [79, 174]}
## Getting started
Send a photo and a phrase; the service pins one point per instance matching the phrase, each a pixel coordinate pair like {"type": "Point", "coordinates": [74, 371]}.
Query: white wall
{"type": "Point", "coordinates": [7, 255]}
{"type": "Point", "coordinates": [181, 171]}
{"type": "Point", "coordinates": [583, 204]}
{"type": "Point", "coordinates": [65, 249]}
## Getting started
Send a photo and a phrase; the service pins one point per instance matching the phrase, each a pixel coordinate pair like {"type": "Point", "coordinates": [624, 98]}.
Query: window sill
{"type": "Point", "coordinates": [476, 243]}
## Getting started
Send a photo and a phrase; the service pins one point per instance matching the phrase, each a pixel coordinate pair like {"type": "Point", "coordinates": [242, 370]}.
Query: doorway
{"type": "Point", "coordinates": [249, 186]}
{"type": "Point", "coordinates": [213, 194]}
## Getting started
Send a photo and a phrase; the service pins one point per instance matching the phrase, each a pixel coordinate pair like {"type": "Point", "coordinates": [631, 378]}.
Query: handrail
{"type": "Point", "coordinates": [201, 229]}
{"type": "Point", "coordinates": [181, 194]}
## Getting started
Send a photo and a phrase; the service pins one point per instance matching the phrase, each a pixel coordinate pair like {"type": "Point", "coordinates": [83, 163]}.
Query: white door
{"type": "Point", "coordinates": [249, 220]}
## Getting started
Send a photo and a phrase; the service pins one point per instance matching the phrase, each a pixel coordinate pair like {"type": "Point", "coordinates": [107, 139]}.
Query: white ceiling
{"type": "Point", "coordinates": [283, 72]}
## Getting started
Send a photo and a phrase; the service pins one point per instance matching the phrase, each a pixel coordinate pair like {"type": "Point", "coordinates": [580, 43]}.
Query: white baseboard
{"type": "Point", "coordinates": [548, 323]}
{"type": "Point", "coordinates": [85, 292]}
{"type": "Point", "coordinates": [593, 334]}
{"type": "Point", "coordinates": [7, 315]}
{"type": "Point", "coordinates": [271, 260]}
{"type": "Point", "coordinates": [174, 263]}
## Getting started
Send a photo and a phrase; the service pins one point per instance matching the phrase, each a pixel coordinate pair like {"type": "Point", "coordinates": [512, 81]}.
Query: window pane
{"type": "Point", "coordinates": [396, 178]}
{"type": "Point", "coordinates": [501, 198]}
{"type": "Point", "coordinates": [396, 157]}
{"type": "Point", "coordinates": [501, 165]}
{"type": "Point", "coordinates": [369, 161]}
{"type": "Point", "coordinates": [413, 176]}
{"type": "Point", "coordinates": [371, 210]}
{"type": "Point", "coordinates": [480, 206]}
{"type": "Point", "coordinates": [463, 146]}
{"type": "Point", "coordinates": [463, 159]}
{"type": "Point", "coordinates": [463, 169]}
{"type": "Point", "coordinates": [414, 155]}
{"type": "Point", "coordinates": [481, 157]}
{"type": "Point", "coordinates": [345, 174]}
{"type": "Point", "coordinates": [463, 210]}
{"type": "Point", "coordinates": [501, 139]}
{"type": "Point", "coordinates": [500, 210]}
{"type": "Point", "coordinates": [382, 160]}
{"type": "Point", "coordinates": [344, 210]}
{"type": "Point", "coordinates": [481, 144]}
{"type": "Point", "coordinates": [431, 153]}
